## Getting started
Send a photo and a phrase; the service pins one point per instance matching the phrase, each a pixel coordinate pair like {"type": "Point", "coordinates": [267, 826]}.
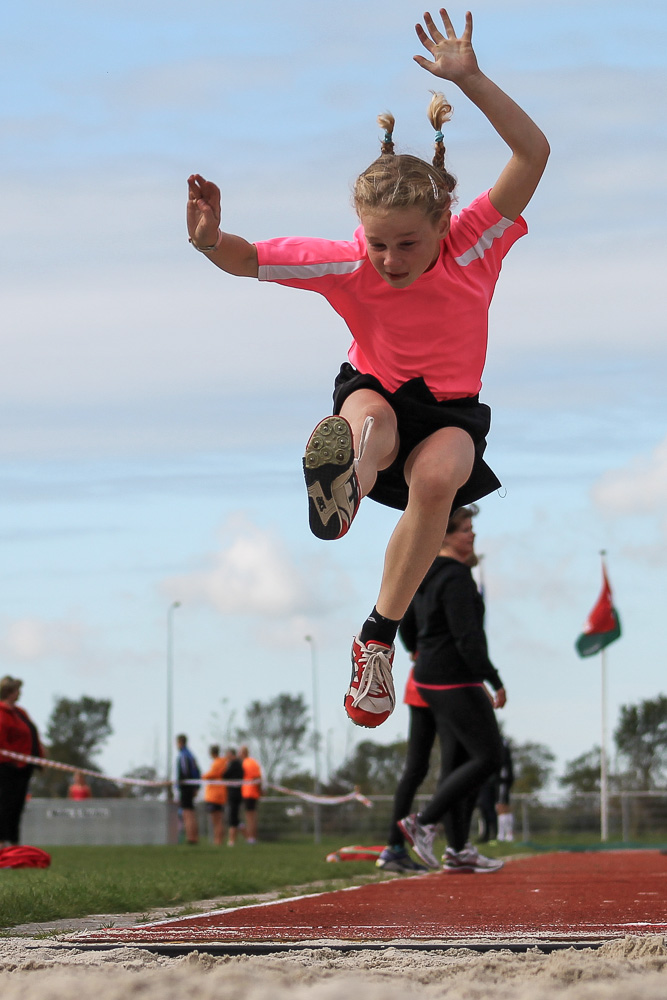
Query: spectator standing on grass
{"type": "Point", "coordinates": [79, 789]}
{"type": "Point", "coordinates": [187, 769]}
{"type": "Point", "coordinates": [486, 805]}
{"type": "Point", "coordinates": [503, 807]}
{"type": "Point", "coordinates": [493, 802]}
{"type": "Point", "coordinates": [444, 626]}
{"type": "Point", "coordinates": [251, 791]}
{"type": "Point", "coordinates": [234, 775]}
{"type": "Point", "coordinates": [18, 733]}
{"type": "Point", "coordinates": [215, 796]}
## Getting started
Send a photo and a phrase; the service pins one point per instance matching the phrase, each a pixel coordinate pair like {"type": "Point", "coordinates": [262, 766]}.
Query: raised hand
{"type": "Point", "coordinates": [203, 210]}
{"type": "Point", "coordinates": [453, 58]}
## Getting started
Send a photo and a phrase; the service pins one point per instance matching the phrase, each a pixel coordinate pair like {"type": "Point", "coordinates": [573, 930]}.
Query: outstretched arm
{"type": "Point", "coordinates": [454, 59]}
{"type": "Point", "coordinates": [232, 253]}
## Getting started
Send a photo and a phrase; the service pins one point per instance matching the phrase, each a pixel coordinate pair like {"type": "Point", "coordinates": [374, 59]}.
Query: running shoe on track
{"type": "Point", "coordinates": [370, 698]}
{"type": "Point", "coordinates": [469, 861]}
{"type": "Point", "coordinates": [421, 838]}
{"type": "Point", "coordinates": [398, 861]}
{"type": "Point", "coordinates": [333, 488]}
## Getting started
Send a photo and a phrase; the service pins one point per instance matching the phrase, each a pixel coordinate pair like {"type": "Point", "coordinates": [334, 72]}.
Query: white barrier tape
{"type": "Point", "coordinates": [324, 800]}
{"type": "Point", "coordinates": [219, 781]}
{"type": "Point", "coordinates": [143, 782]}
{"type": "Point", "coordinates": [43, 762]}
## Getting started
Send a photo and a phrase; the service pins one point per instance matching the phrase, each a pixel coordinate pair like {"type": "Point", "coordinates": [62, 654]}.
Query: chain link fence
{"type": "Point", "coordinates": [632, 816]}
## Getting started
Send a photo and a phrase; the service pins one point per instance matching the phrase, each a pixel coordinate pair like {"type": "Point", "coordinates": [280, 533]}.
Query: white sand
{"type": "Point", "coordinates": [634, 968]}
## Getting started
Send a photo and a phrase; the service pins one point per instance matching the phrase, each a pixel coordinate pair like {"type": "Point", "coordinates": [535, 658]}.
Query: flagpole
{"type": "Point", "coordinates": [604, 801]}
{"type": "Point", "coordinates": [602, 627]}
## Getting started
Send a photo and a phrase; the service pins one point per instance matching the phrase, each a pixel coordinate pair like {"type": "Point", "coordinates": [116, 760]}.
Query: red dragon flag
{"type": "Point", "coordinates": [602, 625]}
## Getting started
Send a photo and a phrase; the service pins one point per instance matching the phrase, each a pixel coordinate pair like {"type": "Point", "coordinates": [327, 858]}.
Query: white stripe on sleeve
{"type": "Point", "coordinates": [283, 272]}
{"type": "Point", "coordinates": [484, 242]}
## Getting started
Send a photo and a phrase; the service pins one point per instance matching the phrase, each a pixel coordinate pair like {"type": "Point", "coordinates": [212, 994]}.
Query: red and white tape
{"type": "Point", "coordinates": [323, 800]}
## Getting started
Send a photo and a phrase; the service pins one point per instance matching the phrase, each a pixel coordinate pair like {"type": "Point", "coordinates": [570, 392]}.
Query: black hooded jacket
{"type": "Point", "coordinates": [445, 625]}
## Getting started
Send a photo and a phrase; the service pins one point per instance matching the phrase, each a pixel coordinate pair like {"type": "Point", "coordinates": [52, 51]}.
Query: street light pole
{"type": "Point", "coordinates": [170, 695]}
{"type": "Point", "coordinates": [317, 820]}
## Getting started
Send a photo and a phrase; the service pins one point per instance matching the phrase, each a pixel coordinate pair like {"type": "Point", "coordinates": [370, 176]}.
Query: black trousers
{"type": "Point", "coordinates": [13, 790]}
{"type": "Point", "coordinates": [486, 803]}
{"type": "Point", "coordinates": [421, 737]}
{"type": "Point", "coordinates": [471, 750]}
{"type": "Point", "coordinates": [233, 806]}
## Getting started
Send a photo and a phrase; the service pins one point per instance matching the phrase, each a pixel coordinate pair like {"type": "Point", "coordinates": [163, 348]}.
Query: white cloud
{"type": "Point", "coordinates": [640, 486]}
{"type": "Point", "coordinates": [253, 573]}
{"type": "Point", "coordinates": [35, 640]}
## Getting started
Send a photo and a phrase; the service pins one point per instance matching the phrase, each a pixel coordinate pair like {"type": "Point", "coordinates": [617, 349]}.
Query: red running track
{"type": "Point", "coordinates": [550, 897]}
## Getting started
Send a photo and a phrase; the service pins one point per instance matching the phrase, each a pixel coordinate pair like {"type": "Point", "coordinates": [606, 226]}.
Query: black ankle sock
{"type": "Point", "coordinates": [377, 628]}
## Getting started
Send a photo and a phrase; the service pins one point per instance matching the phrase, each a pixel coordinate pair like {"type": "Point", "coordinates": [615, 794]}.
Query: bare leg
{"type": "Point", "coordinates": [191, 827]}
{"type": "Point", "coordinates": [251, 825]}
{"type": "Point", "coordinates": [435, 470]}
{"type": "Point", "coordinates": [218, 823]}
{"type": "Point", "coordinates": [382, 445]}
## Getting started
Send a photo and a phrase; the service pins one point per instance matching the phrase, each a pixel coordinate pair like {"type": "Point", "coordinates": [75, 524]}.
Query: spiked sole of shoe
{"type": "Point", "coordinates": [329, 444]}
{"type": "Point", "coordinates": [329, 455]}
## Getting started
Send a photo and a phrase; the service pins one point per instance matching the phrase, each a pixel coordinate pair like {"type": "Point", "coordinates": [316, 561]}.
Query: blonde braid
{"type": "Point", "coordinates": [439, 112]}
{"type": "Point", "coordinates": [402, 180]}
{"type": "Point", "coordinates": [387, 122]}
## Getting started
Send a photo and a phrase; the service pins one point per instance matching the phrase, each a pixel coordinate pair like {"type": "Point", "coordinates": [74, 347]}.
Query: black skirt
{"type": "Point", "coordinates": [419, 414]}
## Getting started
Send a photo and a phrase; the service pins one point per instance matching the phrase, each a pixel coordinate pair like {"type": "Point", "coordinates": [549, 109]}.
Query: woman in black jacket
{"type": "Point", "coordinates": [444, 626]}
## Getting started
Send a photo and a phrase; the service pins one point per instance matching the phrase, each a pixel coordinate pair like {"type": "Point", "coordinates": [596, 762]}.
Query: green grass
{"type": "Point", "coordinates": [89, 880]}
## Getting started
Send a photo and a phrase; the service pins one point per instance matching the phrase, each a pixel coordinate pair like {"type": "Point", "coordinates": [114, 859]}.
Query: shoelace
{"type": "Point", "coordinates": [375, 678]}
{"type": "Point", "coordinates": [365, 431]}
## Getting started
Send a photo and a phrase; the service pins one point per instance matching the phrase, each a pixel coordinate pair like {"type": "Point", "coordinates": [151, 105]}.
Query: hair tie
{"type": "Point", "coordinates": [439, 136]}
{"type": "Point", "coordinates": [387, 136]}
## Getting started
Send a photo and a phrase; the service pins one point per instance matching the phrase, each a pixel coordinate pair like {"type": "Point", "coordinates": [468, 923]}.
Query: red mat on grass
{"type": "Point", "coordinates": [555, 897]}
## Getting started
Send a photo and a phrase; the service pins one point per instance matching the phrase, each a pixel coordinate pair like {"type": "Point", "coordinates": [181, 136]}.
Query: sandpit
{"type": "Point", "coordinates": [633, 968]}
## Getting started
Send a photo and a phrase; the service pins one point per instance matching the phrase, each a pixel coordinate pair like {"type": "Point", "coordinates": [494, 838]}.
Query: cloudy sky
{"type": "Point", "coordinates": [154, 410]}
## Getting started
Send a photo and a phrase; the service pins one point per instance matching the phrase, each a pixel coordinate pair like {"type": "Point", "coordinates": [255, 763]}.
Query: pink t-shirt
{"type": "Point", "coordinates": [436, 328]}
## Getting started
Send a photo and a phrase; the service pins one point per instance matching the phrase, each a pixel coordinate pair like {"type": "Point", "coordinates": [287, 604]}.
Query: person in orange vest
{"type": "Point", "coordinates": [251, 791]}
{"type": "Point", "coordinates": [215, 796]}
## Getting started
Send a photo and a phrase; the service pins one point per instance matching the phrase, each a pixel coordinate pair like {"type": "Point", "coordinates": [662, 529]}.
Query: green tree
{"type": "Point", "coordinates": [144, 773]}
{"type": "Point", "coordinates": [641, 741]}
{"type": "Point", "coordinates": [376, 767]}
{"type": "Point", "coordinates": [532, 764]}
{"type": "Point", "coordinates": [583, 773]}
{"type": "Point", "coordinates": [275, 731]}
{"type": "Point", "coordinates": [75, 733]}
{"type": "Point", "coordinates": [373, 767]}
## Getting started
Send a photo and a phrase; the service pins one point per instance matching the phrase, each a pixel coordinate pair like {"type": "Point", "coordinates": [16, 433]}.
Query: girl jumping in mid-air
{"type": "Point", "coordinates": [414, 286]}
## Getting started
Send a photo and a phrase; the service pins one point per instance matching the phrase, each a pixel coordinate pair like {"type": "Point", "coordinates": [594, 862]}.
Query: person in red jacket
{"type": "Point", "coordinates": [18, 734]}
{"type": "Point", "coordinates": [79, 790]}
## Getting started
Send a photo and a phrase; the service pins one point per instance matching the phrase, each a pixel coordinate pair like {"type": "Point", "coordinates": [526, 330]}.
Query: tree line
{"type": "Point", "coordinates": [280, 732]}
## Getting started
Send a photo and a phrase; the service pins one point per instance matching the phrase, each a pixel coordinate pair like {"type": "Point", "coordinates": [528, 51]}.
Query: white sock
{"type": "Point", "coordinates": [505, 826]}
